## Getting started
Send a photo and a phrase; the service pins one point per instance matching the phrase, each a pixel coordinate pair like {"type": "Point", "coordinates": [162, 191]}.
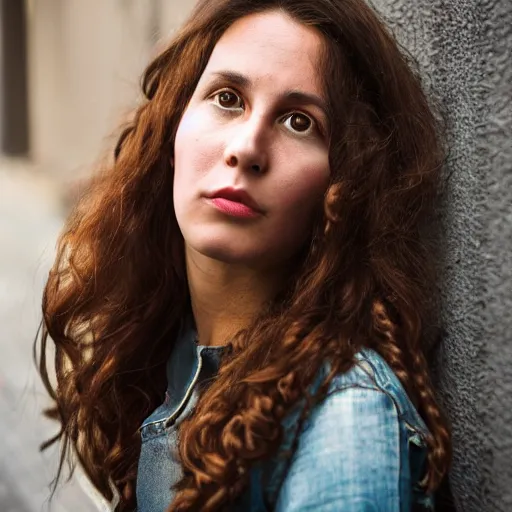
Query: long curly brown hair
{"type": "Point", "coordinates": [118, 289]}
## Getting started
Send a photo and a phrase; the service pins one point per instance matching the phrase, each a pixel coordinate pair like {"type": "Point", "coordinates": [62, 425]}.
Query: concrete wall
{"type": "Point", "coordinates": [85, 61]}
{"type": "Point", "coordinates": [465, 49]}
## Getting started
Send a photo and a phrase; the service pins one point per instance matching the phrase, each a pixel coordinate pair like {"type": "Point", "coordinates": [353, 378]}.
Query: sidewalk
{"type": "Point", "coordinates": [31, 216]}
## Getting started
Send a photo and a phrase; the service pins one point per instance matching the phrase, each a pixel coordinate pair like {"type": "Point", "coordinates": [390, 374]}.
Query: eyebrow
{"type": "Point", "coordinates": [300, 97]}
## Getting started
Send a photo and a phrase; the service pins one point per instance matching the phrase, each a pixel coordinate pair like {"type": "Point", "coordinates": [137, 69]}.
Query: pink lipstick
{"type": "Point", "coordinates": [235, 202]}
{"type": "Point", "coordinates": [233, 208]}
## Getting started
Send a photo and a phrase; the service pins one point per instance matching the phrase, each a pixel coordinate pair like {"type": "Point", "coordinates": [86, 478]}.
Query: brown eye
{"type": "Point", "coordinates": [299, 122]}
{"type": "Point", "coordinates": [228, 99]}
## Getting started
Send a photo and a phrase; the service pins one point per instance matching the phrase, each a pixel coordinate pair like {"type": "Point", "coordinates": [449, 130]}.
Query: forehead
{"type": "Point", "coordinates": [271, 48]}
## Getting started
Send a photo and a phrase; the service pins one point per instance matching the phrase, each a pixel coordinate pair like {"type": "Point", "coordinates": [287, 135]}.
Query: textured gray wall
{"type": "Point", "coordinates": [464, 48]}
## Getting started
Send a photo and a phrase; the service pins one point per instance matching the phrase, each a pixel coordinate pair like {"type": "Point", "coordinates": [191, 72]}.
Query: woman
{"type": "Point", "coordinates": [240, 302]}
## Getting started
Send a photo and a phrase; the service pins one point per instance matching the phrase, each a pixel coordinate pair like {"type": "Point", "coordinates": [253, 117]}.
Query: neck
{"type": "Point", "coordinates": [227, 297]}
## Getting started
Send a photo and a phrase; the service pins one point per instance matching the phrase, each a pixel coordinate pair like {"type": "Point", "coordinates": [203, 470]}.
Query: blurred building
{"type": "Point", "coordinates": [70, 70]}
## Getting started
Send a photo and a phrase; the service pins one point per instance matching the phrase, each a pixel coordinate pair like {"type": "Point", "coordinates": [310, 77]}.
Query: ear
{"type": "Point", "coordinates": [171, 161]}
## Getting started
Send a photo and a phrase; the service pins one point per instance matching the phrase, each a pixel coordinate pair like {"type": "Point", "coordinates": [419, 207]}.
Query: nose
{"type": "Point", "coordinates": [246, 148]}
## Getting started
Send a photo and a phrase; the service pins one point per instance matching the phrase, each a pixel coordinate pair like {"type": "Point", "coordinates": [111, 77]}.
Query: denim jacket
{"type": "Point", "coordinates": [361, 449]}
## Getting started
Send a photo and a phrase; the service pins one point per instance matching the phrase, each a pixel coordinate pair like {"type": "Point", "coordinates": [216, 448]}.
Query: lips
{"type": "Point", "coordinates": [237, 196]}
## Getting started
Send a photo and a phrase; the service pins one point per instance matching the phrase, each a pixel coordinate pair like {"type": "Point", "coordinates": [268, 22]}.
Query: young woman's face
{"type": "Point", "coordinates": [251, 156]}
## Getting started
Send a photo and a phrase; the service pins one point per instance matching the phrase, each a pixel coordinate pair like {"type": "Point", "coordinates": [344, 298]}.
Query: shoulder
{"type": "Point", "coordinates": [382, 388]}
{"type": "Point", "coordinates": [363, 441]}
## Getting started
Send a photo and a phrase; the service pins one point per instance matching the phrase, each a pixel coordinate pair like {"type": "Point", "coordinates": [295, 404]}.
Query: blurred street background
{"type": "Point", "coordinates": [69, 74]}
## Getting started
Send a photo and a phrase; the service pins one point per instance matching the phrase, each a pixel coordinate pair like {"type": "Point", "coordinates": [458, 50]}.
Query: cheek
{"type": "Point", "coordinates": [189, 125]}
{"type": "Point", "coordinates": [302, 190]}
{"type": "Point", "coordinates": [195, 150]}
{"type": "Point", "coordinates": [296, 199]}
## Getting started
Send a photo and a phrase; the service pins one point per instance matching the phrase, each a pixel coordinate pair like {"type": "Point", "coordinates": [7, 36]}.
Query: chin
{"type": "Point", "coordinates": [231, 246]}
{"type": "Point", "coordinates": [228, 252]}
{"type": "Point", "coordinates": [223, 245]}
